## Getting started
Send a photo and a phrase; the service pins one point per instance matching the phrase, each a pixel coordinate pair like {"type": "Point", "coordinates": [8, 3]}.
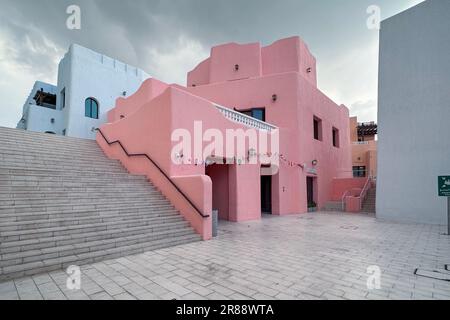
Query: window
{"type": "Point", "coordinates": [63, 98]}
{"type": "Point", "coordinates": [335, 138]}
{"type": "Point", "coordinates": [91, 108]}
{"type": "Point", "coordinates": [257, 113]}
{"type": "Point", "coordinates": [317, 129]}
{"type": "Point", "coordinates": [359, 172]}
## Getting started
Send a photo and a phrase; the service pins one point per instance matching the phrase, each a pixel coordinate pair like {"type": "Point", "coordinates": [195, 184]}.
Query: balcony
{"type": "Point", "coordinates": [245, 120]}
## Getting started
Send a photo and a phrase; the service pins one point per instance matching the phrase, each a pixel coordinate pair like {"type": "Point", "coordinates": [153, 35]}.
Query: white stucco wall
{"type": "Point", "coordinates": [414, 113]}
{"type": "Point", "coordinates": [39, 120]}
{"type": "Point", "coordinates": [85, 73]}
{"type": "Point", "coordinates": [38, 85]}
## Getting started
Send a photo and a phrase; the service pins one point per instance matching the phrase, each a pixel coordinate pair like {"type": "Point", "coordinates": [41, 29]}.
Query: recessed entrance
{"type": "Point", "coordinates": [311, 187]}
{"type": "Point", "coordinates": [266, 194]}
{"type": "Point", "coordinates": [220, 197]}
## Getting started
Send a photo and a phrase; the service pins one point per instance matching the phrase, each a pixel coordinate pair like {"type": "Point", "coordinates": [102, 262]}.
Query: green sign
{"type": "Point", "coordinates": [444, 186]}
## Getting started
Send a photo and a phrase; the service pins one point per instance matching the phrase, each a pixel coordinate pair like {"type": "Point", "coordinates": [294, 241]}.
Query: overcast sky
{"type": "Point", "coordinates": [167, 38]}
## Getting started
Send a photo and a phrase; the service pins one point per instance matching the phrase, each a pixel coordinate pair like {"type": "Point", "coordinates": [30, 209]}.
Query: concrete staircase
{"type": "Point", "coordinates": [369, 203]}
{"type": "Point", "coordinates": [63, 202]}
{"type": "Point", "coordinates": [333, 206]}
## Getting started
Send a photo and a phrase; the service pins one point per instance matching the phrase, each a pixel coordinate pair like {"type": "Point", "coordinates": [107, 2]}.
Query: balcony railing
{"type": "Point", "coordinates": [245, 120]}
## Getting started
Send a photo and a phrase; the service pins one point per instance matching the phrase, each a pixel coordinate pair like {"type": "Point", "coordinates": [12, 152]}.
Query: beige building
{"type": "Point", "coordinates": [364, 148]}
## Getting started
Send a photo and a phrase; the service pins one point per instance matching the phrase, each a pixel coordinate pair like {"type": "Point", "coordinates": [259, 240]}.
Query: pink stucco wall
{"type": "Point", "coordinates": [144, 123]}
{"type": "Point", "coordinates": [340, 186]}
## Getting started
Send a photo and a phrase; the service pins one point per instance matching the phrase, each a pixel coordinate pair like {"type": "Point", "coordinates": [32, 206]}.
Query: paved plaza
{"type": "Point", "coordinates": [314, 256]}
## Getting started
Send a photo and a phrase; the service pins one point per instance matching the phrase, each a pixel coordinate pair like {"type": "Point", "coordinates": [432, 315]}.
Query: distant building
{"type": "Point", "coordinates": [414, 113]}
{"type": "Point", "coordinates": [364, 148]}
{"type": "Point", "coordinates": [88, 85]}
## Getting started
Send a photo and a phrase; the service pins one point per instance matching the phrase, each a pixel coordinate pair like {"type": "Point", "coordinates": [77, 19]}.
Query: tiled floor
{"type": "Point", "coordinates": [315, 256]}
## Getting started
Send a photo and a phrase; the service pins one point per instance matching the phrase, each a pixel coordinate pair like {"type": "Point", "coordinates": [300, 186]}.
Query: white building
{"type": "Point", "coordinates": [414, 113]}
{"type": "Point", "coordinates": [88, 85]}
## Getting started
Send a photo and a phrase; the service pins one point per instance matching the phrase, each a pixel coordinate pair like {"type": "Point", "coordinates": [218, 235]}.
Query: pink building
{"type": "Point", "coordinates": [272, 90]}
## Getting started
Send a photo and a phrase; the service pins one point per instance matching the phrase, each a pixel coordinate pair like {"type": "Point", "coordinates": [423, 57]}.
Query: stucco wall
{"type": "Point", "coordinates": [85, 74]}
{"type": "Point", "coordinates": [414, 113]}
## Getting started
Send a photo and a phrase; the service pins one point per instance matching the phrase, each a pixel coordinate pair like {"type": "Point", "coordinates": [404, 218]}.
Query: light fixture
{"type": "Point", "coordinates": [52, 120]}
{"type": "Point", "coordinates": [124, 93]}
{"type": "Point", "coordinates": [309, 70]}
{"type": "Point", "coordinates": [315, 162]}
{"type": "Point", "coordinates": [236, 67]}
{"type": "Point", "coordinates": [274, 98]}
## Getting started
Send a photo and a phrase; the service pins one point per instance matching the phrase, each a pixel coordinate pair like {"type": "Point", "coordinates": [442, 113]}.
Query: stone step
{"type": "Point", "coordinates": [85, 199]}
{"type": "Point", "coordinates": [91, 257]}
{"type": "Point", "coordinates": [27, 190]}
{"type": "Point", "coordinates": [63, 240]}
{"type": "Point", "coordinates": [38, 216]}
{"type": "Point", "coordinates": [24, 257]}
{"type": "Point", "coordinates": [333, 206]}
{"type": "Point", "coordinates": [67, 168]}
{"type": "Point", "coordinates": [7, 236]}
{"type": "Point", "coordinates": [63, 202]}
{"type": "Point", "coordinates": [21, 134]}
{"type": "Point", "coordinates": [63, 222]}
{"type": "Point", "coordinates": [46, 150]}
{"type": "Point", "coordinates": [83, 207]}
{"type": "Point", "coordinates": [92, 193]}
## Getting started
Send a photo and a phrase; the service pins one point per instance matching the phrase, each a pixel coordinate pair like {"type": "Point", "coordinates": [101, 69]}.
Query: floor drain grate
{"type": "Point", "coordinates": [434, 274]}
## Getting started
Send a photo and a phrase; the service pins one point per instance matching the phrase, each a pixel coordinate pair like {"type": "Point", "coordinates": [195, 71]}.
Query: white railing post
{"type": "Point", "coordinates": [244, 119]}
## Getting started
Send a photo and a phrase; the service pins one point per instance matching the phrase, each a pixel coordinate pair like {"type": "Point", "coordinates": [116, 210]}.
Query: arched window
{"type": "Point", "coordinates": [91, 108]}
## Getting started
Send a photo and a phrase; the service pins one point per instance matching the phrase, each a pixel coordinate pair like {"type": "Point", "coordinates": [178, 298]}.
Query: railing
{"type": "Point", "coordinates": [363, 194]}
{"type": "Point", "coordinates": [157, 167]}
{"type": "Point", "coordinates": [360, 143]}
{"type": "Point", "coordinates": [343, 199]}
{"type": "Point", "coordinates": [244, 119]}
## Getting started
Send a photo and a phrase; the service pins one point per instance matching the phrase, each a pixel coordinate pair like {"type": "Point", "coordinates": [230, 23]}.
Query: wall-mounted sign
{"type": "Point", "coordinates": [311, 171]}
{"type": "Point", "coordinates": [444, 186]}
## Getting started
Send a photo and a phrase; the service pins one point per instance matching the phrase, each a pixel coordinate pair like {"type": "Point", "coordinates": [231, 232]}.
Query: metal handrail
{"type": "Point", "coordinates": [363, 193]}
{"type": "Point", "coordinates": [158, 167]}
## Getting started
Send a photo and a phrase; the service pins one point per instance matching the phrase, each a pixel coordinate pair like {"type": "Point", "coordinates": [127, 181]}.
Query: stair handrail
{"type": "Point", "coordinates": [363, 194]}
{"type": "Point", "coordinates": [343, 199]}
{"type": "Point", "coordinates": [157, 166]}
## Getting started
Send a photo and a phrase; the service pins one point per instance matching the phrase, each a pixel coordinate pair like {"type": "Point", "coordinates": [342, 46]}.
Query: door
{"type": "Point", "coordinates": [266, 194]}
{"type": "Point", "coordinates": [310, 190]}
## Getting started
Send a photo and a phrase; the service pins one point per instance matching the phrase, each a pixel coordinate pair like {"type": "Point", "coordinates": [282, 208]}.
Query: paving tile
{"type": "Point", "coordinates": [322, 256]}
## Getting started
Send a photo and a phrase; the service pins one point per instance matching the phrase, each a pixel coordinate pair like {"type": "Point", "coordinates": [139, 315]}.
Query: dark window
{"type": "Point", "coordinates": [91, 108]}
{"type": "Point", "coordinates": [259, 113]}
{"type": "Point", "coordinates": [335, 137]}
{"type": "Point", "coordinates": [359, 172]}
{"type": "Point", "coordinates": [317, 129]}
{"type": "Point", "coordinates": [63, 98]}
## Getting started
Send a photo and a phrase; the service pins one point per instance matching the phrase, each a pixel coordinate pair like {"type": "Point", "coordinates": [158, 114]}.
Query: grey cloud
{"type": "Point", "coordinates": [145, 32]}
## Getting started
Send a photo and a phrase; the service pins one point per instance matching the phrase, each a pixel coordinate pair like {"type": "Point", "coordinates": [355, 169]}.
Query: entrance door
{"type": "Point", "coordinates": [266, 194]}
{"type": "Point", "coordinates": [310, 189]}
